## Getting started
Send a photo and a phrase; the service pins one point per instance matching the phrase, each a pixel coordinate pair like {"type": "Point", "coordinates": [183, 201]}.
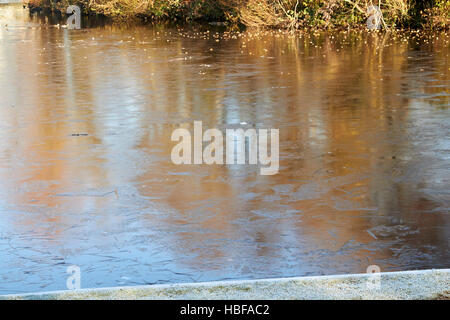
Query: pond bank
{"type": "Point", "coordinates": [286, 14]}
{"type": "Point", "coordinates": [423, 284]}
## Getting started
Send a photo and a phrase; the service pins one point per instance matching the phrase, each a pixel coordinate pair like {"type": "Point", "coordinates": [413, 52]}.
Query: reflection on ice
{"type": "Point", "coordinates": [87, 180]}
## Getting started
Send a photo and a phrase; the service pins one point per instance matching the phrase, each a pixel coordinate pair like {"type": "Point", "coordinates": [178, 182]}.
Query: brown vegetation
{"type": "Point", "coordinates": [292, 14]}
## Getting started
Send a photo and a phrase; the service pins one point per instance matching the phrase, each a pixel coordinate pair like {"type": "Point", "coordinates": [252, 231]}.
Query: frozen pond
{"type": "Point", "coordinates": [86, 118]}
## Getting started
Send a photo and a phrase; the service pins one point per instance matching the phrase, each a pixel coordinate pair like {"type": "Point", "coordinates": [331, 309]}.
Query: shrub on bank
{"type": "Point", "coordinates": [292, 14]}
{"type": "Point", "coordinates": [438, 15]}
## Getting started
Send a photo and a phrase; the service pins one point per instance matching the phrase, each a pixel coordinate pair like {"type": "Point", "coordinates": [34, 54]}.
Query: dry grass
{"type": "Point", "coordinates": [438, 16]}
{"type": "Point", "coordinates": [318, 13]}
{"type": "Point", "coordinates": [443, 296]}
{"type": "Point", "coordinates": [117, 8]}
{"type": "Point", "coordinates": [260, 13]}
{"type": "Point", "coordinates": [291, 14]}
